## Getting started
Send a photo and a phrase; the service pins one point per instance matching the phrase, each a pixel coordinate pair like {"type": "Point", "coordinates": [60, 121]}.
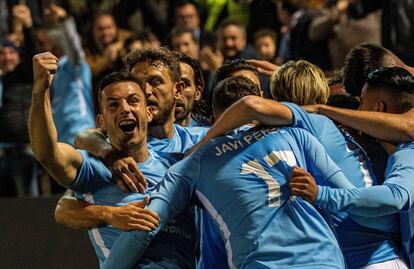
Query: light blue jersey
{"type": "Point", "coordinates": [183, 140]}
{"type": "Point", "coordinates": [173, 247]}
{"type": "Point", "coordinates": [72, 105]}
{"type": "Point", "coordinates": [242, 182]}
{"type": "Point", "coordinates": [381, 203]}
{"type": "Point", "coordinates": [349, 157]}
{"type": "Point", "coordinates": [378, 201]}
{"type": "Point", "coordinates": [360, 244]}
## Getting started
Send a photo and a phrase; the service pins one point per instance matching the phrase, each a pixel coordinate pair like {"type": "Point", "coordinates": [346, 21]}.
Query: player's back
{"type": "Point", "coordinates": [244, 187]}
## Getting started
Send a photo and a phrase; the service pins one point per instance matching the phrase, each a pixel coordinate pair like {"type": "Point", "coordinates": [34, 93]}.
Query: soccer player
{"type": "Point", "coordinates": [386, 90]}
{"type": "Point", "coordinates": [124, 117]}
{"type": "Point", "coordinates": [160, 70]}
{"type": "Point", "coordinates": [192, 77]}
{"type": "Point", "coordinates": [261, 224]}
{"type": "Point", "coordinates": [307, 85]}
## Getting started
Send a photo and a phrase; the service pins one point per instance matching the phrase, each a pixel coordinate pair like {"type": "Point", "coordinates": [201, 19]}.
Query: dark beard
{"type": "Point", "coordinates": [164, 115]}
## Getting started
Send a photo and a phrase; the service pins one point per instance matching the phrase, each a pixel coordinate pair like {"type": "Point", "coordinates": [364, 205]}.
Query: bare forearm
{"type": "Point", "coordinates": [42, 130]}
{"type": "Point", "coordinates": [384, 126]}
{"type": "Point", "coordinates": [78, 214]}
{"type": "Point", "coordinates": [93, 141]}
{"type": "Point", "coordinates": [251, 108]}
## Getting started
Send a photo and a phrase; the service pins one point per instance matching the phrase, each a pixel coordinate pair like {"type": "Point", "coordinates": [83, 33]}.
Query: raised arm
{"type": "Point", "coordinates": [384, 126]}
{"type": "Point", "coordinates": [78, 214]}
{"type": "Point", "coordinates": [60, 160]}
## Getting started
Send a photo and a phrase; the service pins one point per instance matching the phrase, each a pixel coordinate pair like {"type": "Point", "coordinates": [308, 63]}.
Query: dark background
{"type": "Point", "coordinates": [30, 238]}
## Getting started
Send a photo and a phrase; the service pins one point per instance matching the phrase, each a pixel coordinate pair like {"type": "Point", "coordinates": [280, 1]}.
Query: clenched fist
{"type": "Point", "coordinates": [45, 66]}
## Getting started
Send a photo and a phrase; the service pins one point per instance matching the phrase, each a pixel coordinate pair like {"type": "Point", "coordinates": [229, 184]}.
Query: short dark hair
{"type": "Point", "coordinates": [182, 3]}
{"type": "Point", "coordinates": [180, 30]}
{"type": "Point", "coordinates": [359, 62]}
{"type": "Point", "coordinates": [116, 77]}
{"type": "Point", "coordinates": [337, 78]}
{"type": "Point", "coordinates": [231, 66]}
{"type": "Point", "coordinates": [230, 90]}
{"type": "Point", "coordinates": [291, 6]}
{"type": "Point", "coordinates": [139, 36]}
{"type": "Point", "coordinates": [159, 55]}
{"type": "Point", "coordinates": [265, 32]}
{"type": "Point", "coordinates": [396, 80]}
{"type": "Point", "coordinates": [344, 100]}
{"type": "Point", "coordinates": [227, 22]}
{"type": "Point", "coordinates": [195, 65]}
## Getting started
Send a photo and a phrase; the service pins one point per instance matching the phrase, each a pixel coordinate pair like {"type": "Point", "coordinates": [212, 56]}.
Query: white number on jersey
{"type": "Point", "coordinates": [273, 194]}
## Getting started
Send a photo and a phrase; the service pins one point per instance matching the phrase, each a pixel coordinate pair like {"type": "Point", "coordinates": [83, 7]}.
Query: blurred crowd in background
{"type": "Point", "coordinates": [92, 37]}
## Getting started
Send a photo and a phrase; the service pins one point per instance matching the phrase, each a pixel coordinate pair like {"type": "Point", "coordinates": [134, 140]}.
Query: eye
{"type": "Point", "coordinates": [155, 82]}
{"type": "Point", "coordinates": [113, 104]}
{"type": "Point", "coordinates": [134, 100]}
{"type": "Point", "coordinates": [186, 83]}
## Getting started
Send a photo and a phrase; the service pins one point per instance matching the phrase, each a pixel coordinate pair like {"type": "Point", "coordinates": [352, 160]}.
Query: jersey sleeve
{"type": "Point", "coordinates": [320, 165]}
{"type": "Point", "coordinates": [91, 175]}
{"type": "Point", "coordinates": [197, 133]}
{"type": "Point", "coordinates": [396, 192]}
{"type": "Point", "coordinates": [374, 201]}
{"type": "Point", "coordinates": [171, 197]}
{"type": "Point", "coordinates": [310, 122]}
{"type": "Point", "coordinates": [400, 171]}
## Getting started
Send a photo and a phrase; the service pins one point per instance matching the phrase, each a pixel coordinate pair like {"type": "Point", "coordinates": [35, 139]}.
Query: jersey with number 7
{"type": "Point", "coordinates": [242, 181]}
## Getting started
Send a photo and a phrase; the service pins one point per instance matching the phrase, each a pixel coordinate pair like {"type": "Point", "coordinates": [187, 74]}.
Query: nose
{"type": "Point", "coordinates": [124, 107]}
{"type": "Point", "coordinates": [228, 42]}
{"type": "Point", "coordinates": [148, 90]}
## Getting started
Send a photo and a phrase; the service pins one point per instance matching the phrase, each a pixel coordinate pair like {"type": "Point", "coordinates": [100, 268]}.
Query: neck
{"type": "Point", "coordinates": [185, 121]}
{"type": "Point", "coordinates": [141, 154]}
{"type": "Point", "coordinates": [164, 130]}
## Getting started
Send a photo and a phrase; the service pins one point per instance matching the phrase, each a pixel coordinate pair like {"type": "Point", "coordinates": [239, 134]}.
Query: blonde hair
{"type": "Point", "coordinates": [299, 82]}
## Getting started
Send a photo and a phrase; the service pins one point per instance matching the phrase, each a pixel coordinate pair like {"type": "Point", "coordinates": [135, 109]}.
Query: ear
{"type": "Point", "coordinates": [179, 88]}
{"type": "Point", "coordinates": [197, 94]}
{"type": "Point", "coordinates": [149, 114]}
{"type": "Point", "coordinates": [100, 122]}
{"type": "Point", "coordinates": [381, 106]}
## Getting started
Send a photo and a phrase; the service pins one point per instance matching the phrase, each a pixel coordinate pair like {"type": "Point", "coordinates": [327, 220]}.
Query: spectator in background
{"type": "Point", "coordinates": [295, 43]}
{"type": "Point", "coordinates": [397, 24]}
{"type": "Point", "coordinates": [231, 44]}
{"type": "Point", "coordinates": [187, 15]}
{"type": "Point", "coordinates": [71, 90]}
{"type": "Point", "coordinates": [102, 47]}
{"type": "Point", "coordinates": [17, 165]}
{"type": "Point", "coordinates": [265, 43]}
{"type": "Point", "coordinates": [232, 41]}
{"type": "Point", "coordinates": [184, 41]}
{"type": "Point", "coordinates": [342, 32]}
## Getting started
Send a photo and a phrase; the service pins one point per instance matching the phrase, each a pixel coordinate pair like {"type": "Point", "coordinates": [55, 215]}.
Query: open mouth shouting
{"type": "Point", "coordinates": [127, 126]}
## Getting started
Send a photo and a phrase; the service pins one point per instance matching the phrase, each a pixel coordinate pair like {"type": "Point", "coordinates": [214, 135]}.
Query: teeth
{"type": "Point", "coordinates": [123, 123]}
